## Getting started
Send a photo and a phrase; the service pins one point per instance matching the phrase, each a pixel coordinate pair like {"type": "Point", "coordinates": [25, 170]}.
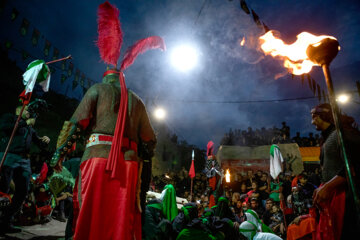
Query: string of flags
{"type": "Point", "coordinates": [313, 85]}
{"type": "Point", "coordinates": [66, 68]}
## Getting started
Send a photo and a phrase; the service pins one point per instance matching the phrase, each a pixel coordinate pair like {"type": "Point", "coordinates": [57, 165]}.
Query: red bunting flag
{"type": "Point", "coordinates": [192, 168]}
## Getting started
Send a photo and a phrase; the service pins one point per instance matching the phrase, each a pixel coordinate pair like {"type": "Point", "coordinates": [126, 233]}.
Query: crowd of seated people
{"type": "Point", "coordinates": [283, 205]}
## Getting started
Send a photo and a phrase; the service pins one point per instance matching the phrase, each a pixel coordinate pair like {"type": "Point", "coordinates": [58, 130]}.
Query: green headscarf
{"type": "Point", "coordinates": [168, 197]}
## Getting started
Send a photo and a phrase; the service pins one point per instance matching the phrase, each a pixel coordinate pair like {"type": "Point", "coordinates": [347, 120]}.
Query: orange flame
{"type": "Point", "coordinates": [294, 55]}
{"type": "Point", "coordinates": [227, 175]}
{"type": "Point", "coordinates": [242, 43]}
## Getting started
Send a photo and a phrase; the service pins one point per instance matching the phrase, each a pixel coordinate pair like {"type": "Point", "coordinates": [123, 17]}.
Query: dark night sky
{"type": "Point", "coordinates": [225, 72]}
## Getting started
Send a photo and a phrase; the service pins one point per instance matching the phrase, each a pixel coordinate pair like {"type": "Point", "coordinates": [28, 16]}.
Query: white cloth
{"type": "Point", "coordinates": [248, 229]}
{"type": "Point", "coordinates": [276, 161]}
{"type": "Point", "coordinates": [266, 236]}
{"type": "Point", "coordinates": [30, 76]}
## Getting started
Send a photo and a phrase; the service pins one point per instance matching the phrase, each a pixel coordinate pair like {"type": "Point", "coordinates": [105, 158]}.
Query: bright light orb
{"type": "Point", "coordinates": [160, 113]}
{"type": "Point", "coordinates": [184, 58]}
{"type": "Point", "coordinates": [343, 98]}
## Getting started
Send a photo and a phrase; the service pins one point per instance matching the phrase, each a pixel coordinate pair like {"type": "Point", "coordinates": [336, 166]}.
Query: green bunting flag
{"type": "Point", "coordinates": [8, 44]}
{"type": "Point", "coordinates": [82, 80]}
{"type": "Point", "coordinates": [76, 79]}
{"type": "Point", "coordinates": [70, 69]}
{"type": "Point", "coordinates": [56, 54]}
{"type": "Point", "coordinates": [63, 65]}
{"type": "Point", "coordinates": [63, 78]}
{"type": "Point", "coordinates": [35, 37]}
{"type": "Point", "coordinates": [89, 81]}
{"type": "Point", "coordinates": [36, 72]}
{"type": "Point", "coordinates": [14, 14]}
{"type": "Point", "coordinates": [24, 27]}
{"type": "Point", "coordinates": [47, 48]}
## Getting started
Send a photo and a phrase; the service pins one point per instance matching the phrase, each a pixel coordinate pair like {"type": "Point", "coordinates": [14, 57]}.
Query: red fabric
{"type": "Point", "coordinates": [43, 173]}
{"type": "Point", "coordinates": [306, 227]}
{"type": "Point", "coordinates": [140, 47]}
{"type": "Point", "coordinates": [116, 161]}
{"type": "Point", "coordinates": [211, 201]}
{"type": "Point", "coordinates": [294, 182]}
{"type": "Point", "coordinates": [285, 209]}
{"type": "Point", "coordinates": [43, 211]}
{"type": "Point", "coordinates": [25, 98]}
{"type": "Point", "coordinates": [110, 35]}
{"type": "Point", "coordinates": [210, 148]}
{"type": "Point", "coordinates": [331, 217]}
{"type": "Point", "coordinates": [5, 195]}
{"type": "Point", "coordinates": [212, 185]}
{"type": "Point", "coordinates": [192, 170]}
{"type": "Point", "coordinates": [76, 207]}
{"type": "Point", "coordinates": [108, 209]}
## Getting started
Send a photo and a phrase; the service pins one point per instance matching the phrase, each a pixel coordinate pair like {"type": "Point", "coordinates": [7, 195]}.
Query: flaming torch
{"type": "Point", "coordinates": [227, 176]}
{"type": "Point", "coordinates": [308, 51]}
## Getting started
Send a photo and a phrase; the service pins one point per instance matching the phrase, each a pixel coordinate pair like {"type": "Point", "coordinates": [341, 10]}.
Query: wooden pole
{"type": "Point", "coordinates": [59, 60]}
{"type": "Point", "coordinates": [12, 135]}
{"type": "Point", "coordinates": [191, 188]}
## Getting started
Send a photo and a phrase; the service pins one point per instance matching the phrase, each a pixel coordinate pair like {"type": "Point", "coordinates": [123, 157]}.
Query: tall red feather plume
{"type": "Point", "coordinates": [110, 35]}
{"type": "Point", "coordinates": [140, 47]}
{"type": "Point", "coordinates": [210, 148]}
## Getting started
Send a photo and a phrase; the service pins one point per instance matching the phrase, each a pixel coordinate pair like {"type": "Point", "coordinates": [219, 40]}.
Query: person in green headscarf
{"type": "Point", "coordinates": [159, 214]}
{"type": "Point", "coordinates": [251, 231]}
{"type": "Point", "coordinates": [168, 198]}
{"type": "Point", "coordinates": [253, 217]}
{"type": "Point", "coordinates": [187, 225]}
{"type": "Point", "coordinates": [188, 213]}
{"type": "Point", "coordinates": [156, 226]}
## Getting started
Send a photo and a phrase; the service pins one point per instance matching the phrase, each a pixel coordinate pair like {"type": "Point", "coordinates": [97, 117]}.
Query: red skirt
{"type": "Point", "coordinates": [331, 217]}
{"type": "Point", "coordinates": [107, 208]}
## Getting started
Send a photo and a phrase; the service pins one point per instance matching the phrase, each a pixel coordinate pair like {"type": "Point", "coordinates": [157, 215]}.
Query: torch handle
{"type": "Point", "coordinates": [335, 112]}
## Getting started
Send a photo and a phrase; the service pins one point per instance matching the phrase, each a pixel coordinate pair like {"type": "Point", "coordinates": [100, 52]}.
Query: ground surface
{"type": "Point", "coordinates": [49, 231]}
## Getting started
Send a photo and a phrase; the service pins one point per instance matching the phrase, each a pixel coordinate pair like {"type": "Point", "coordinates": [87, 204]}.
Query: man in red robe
{"type": "Point", "coordinates": [107, 207]}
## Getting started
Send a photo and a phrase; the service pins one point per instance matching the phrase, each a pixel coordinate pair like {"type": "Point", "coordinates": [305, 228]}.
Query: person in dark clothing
{"type": "Point", "coordinates": [267, 213]}
{"type": "Point", "coordinates": [17, 163]}
{"type": "Point", "coordinates": [333, 198]}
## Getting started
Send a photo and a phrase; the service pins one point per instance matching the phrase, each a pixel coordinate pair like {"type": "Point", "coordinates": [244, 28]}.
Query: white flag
{"type": "Point", "coordinates": [37, 71]}
{"type": "Point", "coordinates": [276, 161]}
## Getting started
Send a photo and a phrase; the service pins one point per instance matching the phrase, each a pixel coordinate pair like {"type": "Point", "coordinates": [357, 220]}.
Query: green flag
{"type": "Point", "coordinates": [70, 69]}
{"type": "Point", "coordinates": [56, 54]}
{"type": "Point", "coordinates": [47, 48]}
{"type": "Point", "coordinates": [35, 37]}
{"type": "Point", "coordinates": [24, 27]}
{"type": "Point", "coordinates": [63, 78]}
{"type": "Point", "coordinates": [76, 79]}
{"type": "Point", "coordinates": [14, 14]}
{"type": "Point", "coordinates": [36, 72]}
{"type": "Point", "coordinates": [8, 44]}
